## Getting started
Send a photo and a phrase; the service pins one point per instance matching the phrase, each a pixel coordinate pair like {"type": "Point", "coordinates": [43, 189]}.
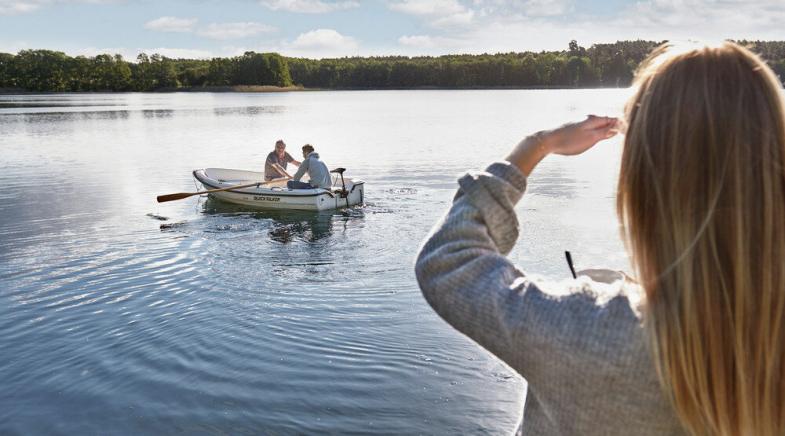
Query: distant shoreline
{"type": "Point", "coordinates": [235, 88]}
{"type": "Point", "coordinates": [272, 89]}
{"type": "Point", "coordinates": [217, 89]}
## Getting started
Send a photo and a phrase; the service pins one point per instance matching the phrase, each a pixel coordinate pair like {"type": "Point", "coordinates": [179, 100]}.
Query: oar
{"type": "Point", "coordinates": [283, 171]}
{"type": "Point", "coordinates": [181, 195]}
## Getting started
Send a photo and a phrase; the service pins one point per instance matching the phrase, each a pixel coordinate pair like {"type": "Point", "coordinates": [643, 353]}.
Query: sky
{"type": "Point", "coordinates": [335, 28]}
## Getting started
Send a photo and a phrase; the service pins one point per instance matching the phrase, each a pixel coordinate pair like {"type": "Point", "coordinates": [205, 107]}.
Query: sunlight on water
{"type": "Point", "coordinates": [200, 317]}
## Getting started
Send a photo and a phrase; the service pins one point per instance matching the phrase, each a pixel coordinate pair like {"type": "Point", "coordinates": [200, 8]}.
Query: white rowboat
{"type": "Point", "coordinates": [276, 195]}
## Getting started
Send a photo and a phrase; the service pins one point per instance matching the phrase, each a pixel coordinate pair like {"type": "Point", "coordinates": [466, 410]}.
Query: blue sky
{"type": "Point", "coordinates": [328, 28]}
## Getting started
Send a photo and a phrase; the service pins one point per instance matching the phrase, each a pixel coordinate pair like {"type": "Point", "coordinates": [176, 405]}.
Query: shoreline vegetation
{"type": "Point", "coordinates": [294, 88]}
{"type": "Point", "coordinates": [599, 66]}
{"type": "Point", "coordinates": [218, 89]}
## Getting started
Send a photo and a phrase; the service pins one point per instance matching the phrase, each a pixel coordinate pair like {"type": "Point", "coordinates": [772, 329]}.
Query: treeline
{"type": "Point", "coordinates": [601, 65]}
{"type": "Point", "coordinates": [52, 71]}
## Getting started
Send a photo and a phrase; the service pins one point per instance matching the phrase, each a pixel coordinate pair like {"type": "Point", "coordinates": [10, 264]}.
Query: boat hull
{"type": "Point", "coordinates": [276, 195]}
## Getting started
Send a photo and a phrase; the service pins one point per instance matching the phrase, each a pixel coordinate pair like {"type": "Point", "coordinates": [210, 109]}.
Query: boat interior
{"type": "Point", "coordinates": [239, 177]}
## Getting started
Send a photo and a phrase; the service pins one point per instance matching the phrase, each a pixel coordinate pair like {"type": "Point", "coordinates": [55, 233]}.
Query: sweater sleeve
{"type": "Point", "coordinates": [462, 268]}
{"type": "Point", "coordinates": [301, 170]}
{"type": "Point", "coordinates": [465, 276]}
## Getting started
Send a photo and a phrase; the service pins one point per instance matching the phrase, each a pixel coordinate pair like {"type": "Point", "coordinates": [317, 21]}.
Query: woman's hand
{"type": "Point", "coordinates": [575, 138]}
{"type": "Point", "coordinates": [569, 139]}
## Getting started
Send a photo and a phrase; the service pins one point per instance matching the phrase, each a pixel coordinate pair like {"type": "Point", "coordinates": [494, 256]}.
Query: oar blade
{"type": "Point", "coordinates": [173, 197]}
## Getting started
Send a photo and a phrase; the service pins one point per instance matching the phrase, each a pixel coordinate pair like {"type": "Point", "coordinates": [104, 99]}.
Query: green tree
{"type": "Point", "coordinates": [163, 72]}
{"type": "Point", "coordinates": [219, 72]}
{"type": "Point", "coordinates": [279, 70]}
{"type": "Point", "coordinates": [42, 70]}
{"type": "Point", "coordinates": [142, 74]}
{"type": "Point", "coordinates": [110, 73]}
{"type": "Point", "coordinates": [8, 74]}
{"type": "Point", "coordinates": [251, 69]}
{"type": "Point", "coordinates": [580, 72]}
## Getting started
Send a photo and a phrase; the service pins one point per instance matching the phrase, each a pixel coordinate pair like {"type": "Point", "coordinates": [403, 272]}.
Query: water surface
{"type": "Point", "coordinates": [220, 320]}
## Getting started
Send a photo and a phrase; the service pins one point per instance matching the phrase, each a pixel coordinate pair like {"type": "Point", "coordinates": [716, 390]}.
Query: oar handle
{"type": "Point", "coordinates": [173, 197]}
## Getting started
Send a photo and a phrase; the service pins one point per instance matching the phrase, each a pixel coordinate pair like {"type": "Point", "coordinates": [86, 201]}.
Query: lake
{"type": "Point", "coordinates": [220, 320]}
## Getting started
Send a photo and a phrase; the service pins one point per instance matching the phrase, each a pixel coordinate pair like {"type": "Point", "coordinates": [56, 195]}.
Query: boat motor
{"type": "Point", "coordinates": [344, 192]}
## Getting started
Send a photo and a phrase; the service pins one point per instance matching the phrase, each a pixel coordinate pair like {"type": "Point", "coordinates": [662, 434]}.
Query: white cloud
{"type": "Point", "coordinates": [438, 13]}
{"type": "Point", "coordinates": [428, 42]}
{"type": "Point", "coordinates": [171, 24]}
{"type": "Point", "coordinates": [702, 19]}
{"type": "Point", "coordinates": [16, 7]}
{"type": "Point", "coordinates": [418, 41]}
{"type": "Point", "coordinates": [175, 53]}
{"type": "Point", "coordinates": [546, 8]}
{"type": "Point", "coordinates": [428, 7]}
{"type": "Point", "coordinates": [508, 25]}
{"type": "Point", "coordinates": [234, 30]}
{"type": "Point", "coordinates": [457, 19]}
{"type": "Point", "coordinates": [733, 12]}
{"type": "Point", "coordinates": [309, 6]}
{"type": "Point", "coordinates": [14, 47]}
{"type": "Point", "coordinates": [220, 31]}
{"type": "Point", "coordinates": [321, 43]}
{"type": "Point", "coordinates": [524, 8]}
{"type": "Point", "coordinates": [500, 35]}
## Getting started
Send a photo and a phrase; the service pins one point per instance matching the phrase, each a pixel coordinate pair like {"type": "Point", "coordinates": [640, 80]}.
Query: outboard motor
{"type": "Point", "coordinates": [344, 193]}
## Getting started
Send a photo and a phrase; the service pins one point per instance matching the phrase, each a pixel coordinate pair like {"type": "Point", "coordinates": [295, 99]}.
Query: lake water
{"type": "Point", "coordinates": [221, 320]}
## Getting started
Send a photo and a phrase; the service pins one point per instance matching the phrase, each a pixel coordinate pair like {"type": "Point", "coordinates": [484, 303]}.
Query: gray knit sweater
{"type": "Point", "coordinates": [581, 349]}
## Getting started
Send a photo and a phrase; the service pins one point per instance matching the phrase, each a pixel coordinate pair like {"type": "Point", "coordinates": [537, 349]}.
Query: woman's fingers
{"type": "Point", "coordinates": [595, 122]}
{"type": "Point", "coordinates": [601, 127]}
{"type": "Point", "coordinates": [575, 138]}
{"type": "Point", "coordinates": [610, 133]}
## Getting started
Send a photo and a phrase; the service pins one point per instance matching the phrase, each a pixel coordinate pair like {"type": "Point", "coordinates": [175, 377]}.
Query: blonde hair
{"type": "Point", "coordinates": [701, 198]}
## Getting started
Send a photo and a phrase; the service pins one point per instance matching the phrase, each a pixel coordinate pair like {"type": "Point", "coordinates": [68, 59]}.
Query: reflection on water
{"type": "Point", "coordinates": [157, 113]}
{"type": "Point", "coordinates": [122, 315]}
{"type": "Point", "coordinates": [248, 110]}
{"type": "Point", "coordinates": [286, 225]}
{"type": "Point", "coordinates": [70, 117]}
{"type": "Point", "coordinates": [50, 104]}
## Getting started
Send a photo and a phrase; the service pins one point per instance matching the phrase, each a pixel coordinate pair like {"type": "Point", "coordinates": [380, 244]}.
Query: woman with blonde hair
{"type": "Point", "coordinates": [696, 343]}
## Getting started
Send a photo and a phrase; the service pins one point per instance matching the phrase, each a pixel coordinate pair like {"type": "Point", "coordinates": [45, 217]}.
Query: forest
{"type": "Point", "coordinates": [600, 65]}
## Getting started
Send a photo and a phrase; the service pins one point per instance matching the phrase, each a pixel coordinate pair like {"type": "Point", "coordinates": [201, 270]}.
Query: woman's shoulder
{"type": "Point", "coordinates": [598, 311]}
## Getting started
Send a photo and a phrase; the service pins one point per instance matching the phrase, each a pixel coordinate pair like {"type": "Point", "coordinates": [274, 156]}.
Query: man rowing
{"type": "Point", "coordinates": [275, 165]}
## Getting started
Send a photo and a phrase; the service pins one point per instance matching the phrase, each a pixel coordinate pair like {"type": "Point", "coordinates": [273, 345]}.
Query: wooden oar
{"type": "Point", "coordinates": [281, 170]}
{"type": "Point", "coordinates": [181, 195]}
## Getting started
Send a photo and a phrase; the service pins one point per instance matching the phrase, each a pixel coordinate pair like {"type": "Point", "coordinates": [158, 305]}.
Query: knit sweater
{"type": "Point", "coordinates": [582, 349]}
